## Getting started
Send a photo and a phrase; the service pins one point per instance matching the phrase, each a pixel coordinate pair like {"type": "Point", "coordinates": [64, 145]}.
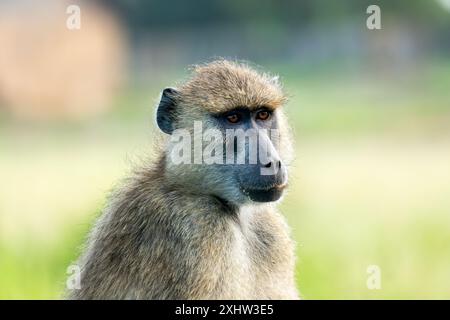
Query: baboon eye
{"type": "Point", "coordinates": [233, 118]}
{"type": "Point", "coordinates": [263, 115]}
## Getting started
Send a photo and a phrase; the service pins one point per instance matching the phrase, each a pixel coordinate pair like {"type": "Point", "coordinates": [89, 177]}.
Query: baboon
{"type": "Point", "coordinates": [200, 231]}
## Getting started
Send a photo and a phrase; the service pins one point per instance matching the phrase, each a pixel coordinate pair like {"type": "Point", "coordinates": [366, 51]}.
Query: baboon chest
{"type": "Point", "coordinates": [257, 243]}
{"type": "Point", "coordinates": [259, 255]}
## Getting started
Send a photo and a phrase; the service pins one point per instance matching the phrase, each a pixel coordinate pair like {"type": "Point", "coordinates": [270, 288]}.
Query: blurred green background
{"type": "Point", "coordinates": [370, 110]}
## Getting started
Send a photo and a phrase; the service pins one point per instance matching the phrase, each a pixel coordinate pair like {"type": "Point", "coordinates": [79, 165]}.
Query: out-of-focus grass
{"type": "Point", "coordinates": [357, 203]}
{"type": "Point", "coordinates": [369, 185]}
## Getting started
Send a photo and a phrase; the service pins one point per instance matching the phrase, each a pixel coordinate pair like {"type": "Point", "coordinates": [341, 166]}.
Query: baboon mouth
{"type": "Point", "coordinates": [265, 195]}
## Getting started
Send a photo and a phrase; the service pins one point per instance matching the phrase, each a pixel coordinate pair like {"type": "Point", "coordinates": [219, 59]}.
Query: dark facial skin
{"type": "Point", "coordinates": [260, 180]}
{"type": "Point", "coordinates": [264, 180]}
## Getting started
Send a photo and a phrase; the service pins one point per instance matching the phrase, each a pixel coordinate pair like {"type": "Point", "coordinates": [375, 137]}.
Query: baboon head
{"type": "Point", "coordinates": [228, 135]}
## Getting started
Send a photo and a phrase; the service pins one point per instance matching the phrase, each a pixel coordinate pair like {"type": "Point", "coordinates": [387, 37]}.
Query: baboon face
{"type": "Point", "coordinates": [238, 160]}
{"type": "Point", "coordinates": [237, 132]}
{"type": "Point", "coordinates": [251, 151]}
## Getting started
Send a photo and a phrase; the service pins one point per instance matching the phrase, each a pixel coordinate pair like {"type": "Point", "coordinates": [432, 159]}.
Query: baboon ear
{"type": "Point", "coordinates": [165, 115]}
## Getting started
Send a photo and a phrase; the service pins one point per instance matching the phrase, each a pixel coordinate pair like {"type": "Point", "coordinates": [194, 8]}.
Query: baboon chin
{"type": "Point", "coordinates": [202, 227]}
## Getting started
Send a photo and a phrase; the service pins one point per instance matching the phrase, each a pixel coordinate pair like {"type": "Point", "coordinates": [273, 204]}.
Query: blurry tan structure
{"type": "Point", "coordinates": [48, 71]}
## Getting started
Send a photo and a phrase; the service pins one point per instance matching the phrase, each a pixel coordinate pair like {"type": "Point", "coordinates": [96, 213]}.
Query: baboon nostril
{"type": "Point", "coordinates": [268, 165]}
{"type": "Point", "coordinates": [279, 164]}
